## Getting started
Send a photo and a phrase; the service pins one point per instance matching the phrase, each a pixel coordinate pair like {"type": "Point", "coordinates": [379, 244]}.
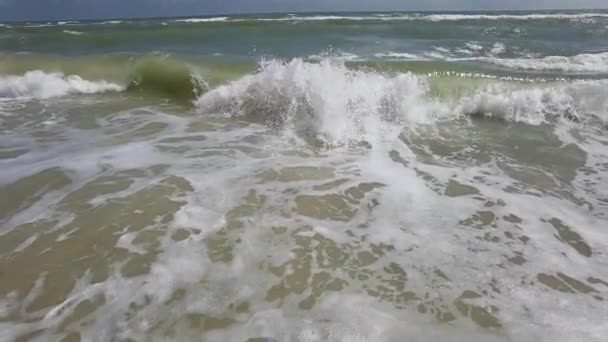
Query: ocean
{"type": "Point", "coordinates": [305, 177]}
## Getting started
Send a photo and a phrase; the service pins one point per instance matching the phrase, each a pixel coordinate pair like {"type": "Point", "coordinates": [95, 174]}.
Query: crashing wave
{"type": "Point", "coordinates": [337, 105]}
{"type": "Point", "coordinates": [326, 100]}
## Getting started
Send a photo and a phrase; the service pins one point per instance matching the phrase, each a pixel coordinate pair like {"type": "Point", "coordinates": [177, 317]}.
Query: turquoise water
{"type": "Point", "coordinates": [356, 35]}
{"type": "Point", "coordinates": [305, 177]}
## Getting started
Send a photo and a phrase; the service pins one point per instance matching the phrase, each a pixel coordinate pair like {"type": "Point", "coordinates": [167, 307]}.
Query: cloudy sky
{"type": "Point", "coordinates": [95, 9]}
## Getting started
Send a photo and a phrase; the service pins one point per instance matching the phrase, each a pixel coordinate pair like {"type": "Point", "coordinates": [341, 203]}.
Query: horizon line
{"type": "Point", "coordinates": [219, 15]}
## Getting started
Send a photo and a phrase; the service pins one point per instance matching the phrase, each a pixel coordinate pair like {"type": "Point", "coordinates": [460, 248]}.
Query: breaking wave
{"type": "Point", "coordinates": [74, 33]}
{"type": "Point", "coordinates": [537, 16]}
{"type": "Point", "coordinates": [583, 63]}
{"type": "Point", "coordinates": [38, 84]}
{"type": "Point", "coordinates": [578, 64]}
{"type": "Point", "coordinates": [332, 101]}
{"type": "Point", "coordinates": [203, 20]}
{"type": "Point", "coordinates": [408, 17]}
{"type": "Point", "coordinates": [339, 105]}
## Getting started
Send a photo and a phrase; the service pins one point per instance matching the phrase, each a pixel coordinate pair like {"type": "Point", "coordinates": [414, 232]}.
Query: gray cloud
{"type": "Point", "coordinates": [65, 9]}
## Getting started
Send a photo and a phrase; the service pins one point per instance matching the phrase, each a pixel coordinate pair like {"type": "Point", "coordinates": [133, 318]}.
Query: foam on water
{"type": "Point", "coordinates": [473, 51]}
{"type": "Point", "coordinates": [74, 33]}
{"type": "Point", "coordinates": [338, 200]}
{"type": "Point", "coordinates": [583, 63]}
{"type": "Point", "coordinates": [417, 17]}
{"type": "Point", "coordinates": [540, 16]}
{"type": "Point", "coordinates": [42, 85]}
{"type": "Point", "coordinates": [202, 20]}
{"type": "Point", "coordinates": [374, 245]}
{"type": "Point", "coordinates": [336, 55]}
{"type": "Point", "coordinates": [349, 107]}
{"type": "Point", "coordinates": [298, 94]}
{"type": "Point", "coordinates": [398, 56]}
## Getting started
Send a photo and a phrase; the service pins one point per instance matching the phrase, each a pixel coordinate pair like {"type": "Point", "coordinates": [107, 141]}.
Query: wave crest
{"type": "Point", "coordinates": [38, 84]}
{"type": "Point", "coordinates": [339, 105]}
{"type": "Point", "coordinates": [324, 99]}
{"type": "Point", "coordinates": [583, 63]}
{"type": "Point", "coordinates": [407, 17]}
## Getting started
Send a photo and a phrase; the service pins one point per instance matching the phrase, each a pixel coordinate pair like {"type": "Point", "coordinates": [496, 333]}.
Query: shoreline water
{"type": "Point", "coordinates": [305, 180]}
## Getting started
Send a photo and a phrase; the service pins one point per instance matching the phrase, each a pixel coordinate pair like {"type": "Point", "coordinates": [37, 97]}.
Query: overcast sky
{"type": "Point", "coordinates": [95, 9]}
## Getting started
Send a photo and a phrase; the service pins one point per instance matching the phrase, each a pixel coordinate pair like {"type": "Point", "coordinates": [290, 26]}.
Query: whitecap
{"type": "Point", "coordinates": [338, 105]}
{"type": "Point", "coordinates": [74, 33]}
{"type": "Point", "coordinates": [203, 20]}
{"type": "Point", "coordinates": [583, 63]}
{"type": "Point", "coordinates": [42, 85]}
{"type": "Point", "coordinates": [398, 56]}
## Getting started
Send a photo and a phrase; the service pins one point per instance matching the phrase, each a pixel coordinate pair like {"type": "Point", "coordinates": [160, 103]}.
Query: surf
{"type": "Point", "coordinates": [38, 84]}
{"type": "Point", "coordinates": [328, 98]}
{"type": "Point", "coordinates": [337, 104]}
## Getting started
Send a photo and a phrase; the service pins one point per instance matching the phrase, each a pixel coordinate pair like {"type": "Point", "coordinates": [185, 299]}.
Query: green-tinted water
{"type": "Point", "coordinates": [322, 177]}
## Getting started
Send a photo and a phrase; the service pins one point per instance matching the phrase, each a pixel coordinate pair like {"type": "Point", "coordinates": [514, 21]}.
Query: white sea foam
{"type": "Point", "coordinates": [67, 22]}
{"type": "Point", "coordinates": [341, 55]}
{"type": "Point", "coordinates": [183, 281]}
{"type": "Point", "coordinates": [539, 16]}
{"type": "Point", "coordinates": [311, 18]}
{"type": "Point", "coordinates": [339, 105]}
{"type": "Point", "coordinates": [527, 105]}
{"type": "Point", "coordinates": [398, 56]}
{"type": "Point", "coordinates": [474, 46]}
{"type": "Point", "coordinates": [74, 33]}
{"type": "Point", "coordinates": [435, 17]}
{"type": "Point", "coordinates": [325, 99]}
{"type": "Point", "coordinates": [42, 85]}
{"type": "Point", "coordinates": [498, 48]}
{"type": "Point", "coordinates": [583, 63]}
{"type": "Point", "coordinates": [203, 20]}
{"type": "Point", "coordinates": [38, 25]}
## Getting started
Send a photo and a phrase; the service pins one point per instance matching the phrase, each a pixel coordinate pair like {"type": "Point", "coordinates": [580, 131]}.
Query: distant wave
{"type": "Point", "coordinates": [433, 17]}
{"type": "Point", "coordinates": [39, 25]}
{"type": "Point", "coordinates": [583, 63]}
{"type": "Point", "coordinates": [38, 84]}
{"type": "Point", "coordinates": [405, 17]}
{"type": "Point", "coordinates": [590, 16]}
{"type": "Point", "coordinates": [539, 16]}
{"type": "Point", "coordinates": [399, 56]}
{"type": "Point", "coordinates": [203, 20]}
{"type": "Point", "coordinates": [74, 33]}
{"type": "Point", "coordinates": [312, 18]}
{"type": "Point", "coordinates": [343, 56]}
